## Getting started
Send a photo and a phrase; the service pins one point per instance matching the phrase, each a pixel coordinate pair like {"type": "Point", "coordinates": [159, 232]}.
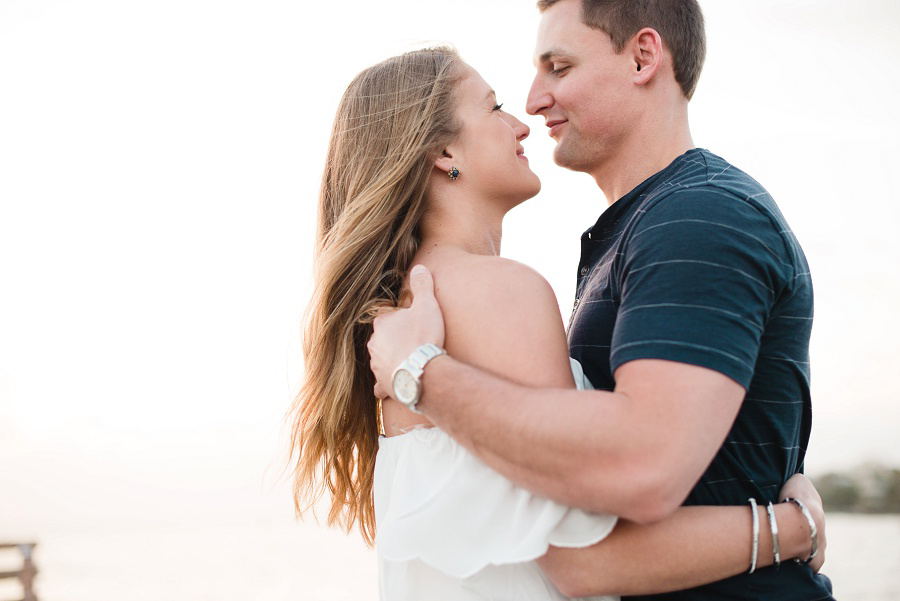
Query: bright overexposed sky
{"type": "Point", "coordinates": [159, 165]}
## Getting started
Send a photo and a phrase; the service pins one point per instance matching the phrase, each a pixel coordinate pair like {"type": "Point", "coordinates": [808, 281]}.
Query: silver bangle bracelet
{"type": "Point", "coordinates": [755, 553]}
{"type": "Point", "coordinates": [813, 532]}
{"type": "Point", "coordinates": [776, 548]}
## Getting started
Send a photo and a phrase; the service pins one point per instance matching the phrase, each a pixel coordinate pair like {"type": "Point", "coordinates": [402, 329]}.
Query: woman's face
{"type": "Point", "coordinates": [489, 152]}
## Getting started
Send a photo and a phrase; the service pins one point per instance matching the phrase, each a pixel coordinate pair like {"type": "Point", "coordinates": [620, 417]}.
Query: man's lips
{"type": "Point", "coordinates": [554, 125]}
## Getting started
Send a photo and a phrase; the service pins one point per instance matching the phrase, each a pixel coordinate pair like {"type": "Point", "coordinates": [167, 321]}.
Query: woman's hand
{"type": "Point", "coordinates": [800, 487]}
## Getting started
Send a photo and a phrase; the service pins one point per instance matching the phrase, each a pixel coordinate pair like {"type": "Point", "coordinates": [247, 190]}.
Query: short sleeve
{"type": "Point", "coordinates": [699, 274]}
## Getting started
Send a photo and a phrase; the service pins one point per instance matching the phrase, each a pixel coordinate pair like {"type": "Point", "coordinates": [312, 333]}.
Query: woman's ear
{"type": "Point", "coordinates": [444, 161]}
{"type": "Point", "coordinates": [647, 52]}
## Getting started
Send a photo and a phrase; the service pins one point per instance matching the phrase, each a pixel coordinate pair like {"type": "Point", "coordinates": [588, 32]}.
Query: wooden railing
{"type": "Point", "coordinates": [27, 572]}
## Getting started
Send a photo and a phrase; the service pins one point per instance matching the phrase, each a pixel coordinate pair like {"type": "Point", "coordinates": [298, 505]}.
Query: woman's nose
{"type": "Point", "coordinates": [521, 130]}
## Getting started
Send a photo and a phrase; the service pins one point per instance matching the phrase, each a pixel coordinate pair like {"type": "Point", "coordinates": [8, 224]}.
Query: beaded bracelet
{"type": "Point", "coordinates": [755, 553]}
{"type": "Point", "coordinates": [770, 510]}
{"type": "Point", "coordinates": [813, 532]}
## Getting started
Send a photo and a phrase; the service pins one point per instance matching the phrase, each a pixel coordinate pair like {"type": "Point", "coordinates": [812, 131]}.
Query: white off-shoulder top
{"type": "Point", "coordinates": [449, 528]}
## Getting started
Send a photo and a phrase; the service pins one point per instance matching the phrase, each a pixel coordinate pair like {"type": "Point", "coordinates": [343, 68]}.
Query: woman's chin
{"type": "Point", "coordinates": [526, 193]}
{"type": "Point", "coordinates": [536, 187]}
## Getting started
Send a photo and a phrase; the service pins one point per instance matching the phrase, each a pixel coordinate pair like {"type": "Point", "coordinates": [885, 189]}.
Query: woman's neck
{"type": "Point", "coordinates": [472, 226]}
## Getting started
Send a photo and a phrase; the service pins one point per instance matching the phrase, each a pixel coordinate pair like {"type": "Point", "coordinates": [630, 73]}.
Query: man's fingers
{"type": "Point", "coordinates": [421, 284]}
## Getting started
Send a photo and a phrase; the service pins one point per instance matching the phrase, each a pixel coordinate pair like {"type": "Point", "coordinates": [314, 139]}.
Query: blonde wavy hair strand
{"type": "Point", "coordinates": [393, 120]}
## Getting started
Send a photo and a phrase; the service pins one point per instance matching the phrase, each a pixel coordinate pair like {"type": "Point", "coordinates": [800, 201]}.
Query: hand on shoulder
{"type": "Point", "coordinates": [503, 316]}
{"type": "Point", "coordinates": [492, 313]}
{"type": "Point", "coordinates": [398, 333]}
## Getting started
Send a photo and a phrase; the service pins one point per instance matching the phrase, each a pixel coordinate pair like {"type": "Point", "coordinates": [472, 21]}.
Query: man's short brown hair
{"type": "Point", "coordinates": [679, 22]}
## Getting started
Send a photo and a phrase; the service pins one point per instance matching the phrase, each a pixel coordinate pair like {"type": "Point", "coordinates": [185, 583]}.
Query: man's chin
{"type": "Point", "coordinates": [564, 157]}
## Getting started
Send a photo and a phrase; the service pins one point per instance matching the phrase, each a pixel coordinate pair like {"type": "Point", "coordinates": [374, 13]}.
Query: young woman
{"type": "Point", "coordinates": [422, 167]}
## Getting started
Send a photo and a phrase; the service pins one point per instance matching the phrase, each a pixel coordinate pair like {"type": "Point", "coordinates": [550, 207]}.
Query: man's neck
{"type": "Point", "coordinates": [648, 151]}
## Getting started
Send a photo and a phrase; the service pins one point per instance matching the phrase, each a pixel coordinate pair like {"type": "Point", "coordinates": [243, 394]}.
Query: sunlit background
{"type": "Point", "coordinates": [159, 165]}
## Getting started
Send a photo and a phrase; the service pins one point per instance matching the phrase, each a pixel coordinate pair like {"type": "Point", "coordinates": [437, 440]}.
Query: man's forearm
{"type": "Point", "coordinates": [581, 449]}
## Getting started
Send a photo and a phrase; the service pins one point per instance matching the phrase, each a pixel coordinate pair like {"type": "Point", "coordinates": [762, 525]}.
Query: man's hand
{"type": "Point", "coordinates": [398, 333]}
{"type": "Point", "coordinates": [800, 487]}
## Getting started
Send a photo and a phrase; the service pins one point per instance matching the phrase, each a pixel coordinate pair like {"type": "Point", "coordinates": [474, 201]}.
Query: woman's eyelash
{"type": "Point", "coordinates": [497, 107]}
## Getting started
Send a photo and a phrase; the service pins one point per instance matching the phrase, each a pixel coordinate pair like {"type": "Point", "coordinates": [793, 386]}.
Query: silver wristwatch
{"type": "Point", "coordinates": [406, 380]}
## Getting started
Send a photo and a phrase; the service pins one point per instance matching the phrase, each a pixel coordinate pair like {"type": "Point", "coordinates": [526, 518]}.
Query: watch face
{"type": "Point", "coordinates": [406, 388]}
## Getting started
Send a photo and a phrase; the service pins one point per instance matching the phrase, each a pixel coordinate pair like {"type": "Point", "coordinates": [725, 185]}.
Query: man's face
{"type": "Point", "coordinates": [581, 88]}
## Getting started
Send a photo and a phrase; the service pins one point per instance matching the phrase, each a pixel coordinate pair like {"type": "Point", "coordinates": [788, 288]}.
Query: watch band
{"type": "Point", "coordinates": [410, 372]}
{"type": "Point", "coordinates": [425, 353]}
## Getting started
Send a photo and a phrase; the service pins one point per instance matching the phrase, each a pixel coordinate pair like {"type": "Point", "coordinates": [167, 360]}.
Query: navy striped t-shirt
{"type": "Point", "coordinates": [698, 265]}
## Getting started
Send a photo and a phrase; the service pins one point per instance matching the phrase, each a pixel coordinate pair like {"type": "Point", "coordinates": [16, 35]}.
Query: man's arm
{"type": "Point", "coordinates": [635, 452]}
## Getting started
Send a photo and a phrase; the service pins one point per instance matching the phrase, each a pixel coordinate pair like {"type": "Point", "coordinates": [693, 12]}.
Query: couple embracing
{"type": "Point", "coordinates": [652, 449]}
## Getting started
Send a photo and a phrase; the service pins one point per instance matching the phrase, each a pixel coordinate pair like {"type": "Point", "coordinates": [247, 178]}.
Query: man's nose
{"type": "Point", "coordinates": [539, 98]}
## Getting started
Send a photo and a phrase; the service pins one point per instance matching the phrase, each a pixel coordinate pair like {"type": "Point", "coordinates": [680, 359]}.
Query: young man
{"type": "Point", "coordinates": [693, 308]}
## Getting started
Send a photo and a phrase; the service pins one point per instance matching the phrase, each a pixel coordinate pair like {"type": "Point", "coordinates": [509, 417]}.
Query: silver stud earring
{"type": "Point", "coordinates": [453, 173]}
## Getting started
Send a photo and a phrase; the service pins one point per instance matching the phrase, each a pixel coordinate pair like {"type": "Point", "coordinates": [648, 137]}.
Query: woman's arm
{"type": "Point", "coordinates": [694, 546]}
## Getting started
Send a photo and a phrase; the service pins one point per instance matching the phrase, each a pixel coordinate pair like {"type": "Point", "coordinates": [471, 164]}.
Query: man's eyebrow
{"type": "Point", "coordinates": [551, 54]}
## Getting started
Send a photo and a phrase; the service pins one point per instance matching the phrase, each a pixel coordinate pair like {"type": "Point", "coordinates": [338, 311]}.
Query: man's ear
{"type": "Point", "coordinates": [646, 49]}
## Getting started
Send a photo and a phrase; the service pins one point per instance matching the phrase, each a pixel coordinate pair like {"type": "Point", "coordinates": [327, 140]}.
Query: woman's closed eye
{"type": "Point", "coordinates": [497, 107]}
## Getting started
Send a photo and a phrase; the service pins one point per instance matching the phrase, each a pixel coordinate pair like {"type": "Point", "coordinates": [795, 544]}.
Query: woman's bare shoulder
{"type": "Point", "coordinates": [464, 278]}
{"type": "Point", "coordinates": [503, 316]}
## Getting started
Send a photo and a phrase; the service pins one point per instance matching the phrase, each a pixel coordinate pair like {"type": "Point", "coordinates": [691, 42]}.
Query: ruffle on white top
{"type": "Point", "coordinates": [459, 516]}
{"type": "Point", "coordinates": [437, 503]}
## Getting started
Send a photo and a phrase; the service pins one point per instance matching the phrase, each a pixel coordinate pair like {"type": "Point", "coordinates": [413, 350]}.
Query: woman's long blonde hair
{"type": "Point", "coordinates": [392, 122]}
